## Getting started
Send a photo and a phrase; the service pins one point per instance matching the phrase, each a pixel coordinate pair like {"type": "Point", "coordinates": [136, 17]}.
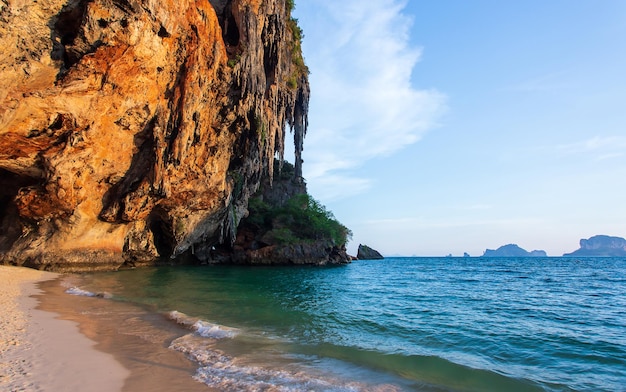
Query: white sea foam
{"type": "Point", "coordinates": [218, 370]}
{"type": "Point", "coordinates": [202, 327]}
{"type": "Point", "coordinates": [83, 293]}
{"type": "Point", "coordinates": [214, 331]}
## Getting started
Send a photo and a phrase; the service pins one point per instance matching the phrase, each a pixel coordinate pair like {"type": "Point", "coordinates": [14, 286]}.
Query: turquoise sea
{"type": "Point", "coordinates": [399, 324]}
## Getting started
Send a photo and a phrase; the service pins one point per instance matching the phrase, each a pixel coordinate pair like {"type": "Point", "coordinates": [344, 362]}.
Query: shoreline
{"type": "Point", "coordinates": [136, 338]}
{"type": "Point", "coordinates": [41, 351]}
{"type": "Point", "coordinates": [54, 341]}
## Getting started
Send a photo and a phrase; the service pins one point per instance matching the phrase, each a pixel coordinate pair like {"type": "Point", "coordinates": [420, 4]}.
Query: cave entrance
{"type": "Point", "coordinates": [219, 6]}
{"type": "Point", "coordinates": [161, 228]}
{"type": "Point", "coordinates": [10, 221]}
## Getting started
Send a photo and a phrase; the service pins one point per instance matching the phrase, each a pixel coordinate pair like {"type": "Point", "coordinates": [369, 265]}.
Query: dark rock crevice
{"type": "Point", "coordinates": [161, 228]}
{"type": "Point", "coordinates": [231, 31]}
{"type": "Point", "coordinates": [68, 44]}
{"type": "Point", "coordinates": [10, 225]}
{"type": "Point", "coordinates": [126, 195]}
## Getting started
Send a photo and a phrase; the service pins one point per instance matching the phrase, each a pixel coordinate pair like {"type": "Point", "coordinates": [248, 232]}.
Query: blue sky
{"type": "Point", "coordinates": [454, 126]}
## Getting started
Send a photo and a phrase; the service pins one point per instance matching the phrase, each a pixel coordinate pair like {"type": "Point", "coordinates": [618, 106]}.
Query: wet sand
{"type": "Point", "coordinates": [135, 337]}
{"type": "Point", "coordinates": [53, 341]}
{"type": "Point", "coordinates": [39, 352]}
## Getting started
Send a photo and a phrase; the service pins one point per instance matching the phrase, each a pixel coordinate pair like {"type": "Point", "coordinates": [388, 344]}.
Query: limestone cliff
{"type": "Point", "coordinates": [133, 130]}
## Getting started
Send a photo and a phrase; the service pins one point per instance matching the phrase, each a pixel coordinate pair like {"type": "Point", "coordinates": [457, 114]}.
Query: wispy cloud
{"type": "Point", "coordinates": [608, 156]}
{"type": "Point", "coordinates": [475, 207]}
{"type": "Point", "coordinates": [363, 103]}
{"type": "Point", "coordinates": [602, 148]}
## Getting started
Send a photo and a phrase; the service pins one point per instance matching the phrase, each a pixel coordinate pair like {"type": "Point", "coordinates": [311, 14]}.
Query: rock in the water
{"type": "Point", "coordinates": [135, 131]}
{"type": "Point", "coordinates": [367, 253]}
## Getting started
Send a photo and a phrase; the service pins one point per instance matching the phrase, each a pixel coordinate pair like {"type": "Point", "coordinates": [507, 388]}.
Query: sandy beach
{"type": "Point", "coordinates": [39, 352]}
{"type": "Point", "coordinates": [53, 341]}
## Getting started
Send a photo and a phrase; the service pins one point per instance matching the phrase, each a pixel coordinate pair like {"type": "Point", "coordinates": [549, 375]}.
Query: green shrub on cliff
{"type": "Point", "coordinates": [296, 49]}
{"type": "Point", "coordinates": [301, 219]}
{"type": "Point", "coordinates": [300, 68]}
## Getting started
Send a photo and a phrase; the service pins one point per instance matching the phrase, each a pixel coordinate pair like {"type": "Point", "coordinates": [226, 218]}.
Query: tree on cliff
{"type": "Point", "coordinates": [302, 218]}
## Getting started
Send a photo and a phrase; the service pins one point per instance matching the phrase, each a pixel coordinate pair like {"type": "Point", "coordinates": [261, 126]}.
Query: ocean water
{"type": "Point", "coordinates": [399, 324]}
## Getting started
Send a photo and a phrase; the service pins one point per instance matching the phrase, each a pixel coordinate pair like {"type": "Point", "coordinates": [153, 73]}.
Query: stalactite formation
{"type": "Point", "coordinates": [133, 131]}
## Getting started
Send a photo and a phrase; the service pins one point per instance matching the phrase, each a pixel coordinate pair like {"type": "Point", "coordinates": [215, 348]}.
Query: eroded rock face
{"type": "Point", "coordinates": [136, 130]}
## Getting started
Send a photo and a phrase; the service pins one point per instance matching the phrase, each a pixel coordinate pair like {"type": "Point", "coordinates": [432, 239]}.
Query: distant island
{"type": "Point", "coordinates": [512, 250]}
{"type": "Point", "coordinates": [601, 246]}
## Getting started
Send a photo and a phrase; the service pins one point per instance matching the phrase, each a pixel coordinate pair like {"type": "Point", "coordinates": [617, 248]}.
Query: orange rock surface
{"type": "Point", "coordinates": [133, 131]}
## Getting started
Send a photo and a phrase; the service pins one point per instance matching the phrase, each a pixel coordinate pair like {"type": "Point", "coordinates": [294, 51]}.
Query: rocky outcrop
{"type": "Point", "coordinates": [512, 250]}
{"type": "Point", "coordinates": [601, 246]}
{"type": "Point", "coordinates": [315, 253]}
{"type": "Point", "coordinates": [366, 253]}
{"type": "Point", "coordinates": [133, 131]}
{"type": "Point", "coordinates": [274, 235]}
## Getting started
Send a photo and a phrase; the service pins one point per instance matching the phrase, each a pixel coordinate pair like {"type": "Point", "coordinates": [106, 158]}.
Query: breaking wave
{"type": "Point", "coordinates": [225, 372]}
{"type": "Point", "coordinates": [84, 293]}
{"type": "Point", "coordinates": [202, 327]}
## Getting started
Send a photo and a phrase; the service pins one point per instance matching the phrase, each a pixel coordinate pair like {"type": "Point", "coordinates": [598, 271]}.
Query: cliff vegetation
{"type": "Point", "coordinates": [285, 225]}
